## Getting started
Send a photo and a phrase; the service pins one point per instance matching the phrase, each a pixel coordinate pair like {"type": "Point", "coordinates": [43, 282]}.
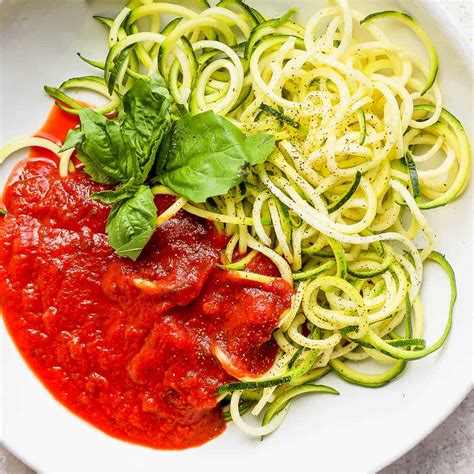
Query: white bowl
{"type": "Point", "coordinates": [363, 429]}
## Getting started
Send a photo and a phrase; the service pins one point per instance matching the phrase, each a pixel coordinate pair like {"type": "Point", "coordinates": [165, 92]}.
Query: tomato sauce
{"type": "Point", "coordinates": [135, 348]}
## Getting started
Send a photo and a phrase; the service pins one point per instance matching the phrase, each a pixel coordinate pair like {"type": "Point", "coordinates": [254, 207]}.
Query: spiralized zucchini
{"type": "Point", "coordinates": [364, 144]}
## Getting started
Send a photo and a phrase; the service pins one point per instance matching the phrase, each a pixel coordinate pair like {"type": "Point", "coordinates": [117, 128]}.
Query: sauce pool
{"type": "Point", "coordinates": [128, 346]}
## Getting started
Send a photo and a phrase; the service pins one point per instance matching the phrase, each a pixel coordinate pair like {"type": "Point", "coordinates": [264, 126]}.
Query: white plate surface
{"type": "Point", "coordinates": [363, 429]}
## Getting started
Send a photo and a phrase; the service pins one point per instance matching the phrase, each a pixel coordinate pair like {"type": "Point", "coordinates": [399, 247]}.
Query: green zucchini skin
{"type": "Point", "coordinates": [242, 8]}
{"type": "Point", "coordinates": [465, 164]}
{"type": "Point", "coordinates": [286, 397]}
{"type": "Point", "coordinates": [413, 24]}
{"type": "Point", "coordinates": [350, 192]}
{"type": "Point", "coordinates": [367, 380]}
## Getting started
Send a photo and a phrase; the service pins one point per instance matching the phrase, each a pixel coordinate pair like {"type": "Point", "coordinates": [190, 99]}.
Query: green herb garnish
{"type": "Point", "coordinates": [205, 155]}
{"type": "Point", "coordinates": [198, 157]}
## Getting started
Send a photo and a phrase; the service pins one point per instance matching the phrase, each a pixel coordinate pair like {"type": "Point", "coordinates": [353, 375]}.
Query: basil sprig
{"type": "Point", "coordinates": [117, 151]}
{"type": "Point", "coordinates": [196, 156]}
{"type": "Point", "coordinates": [123, 151]}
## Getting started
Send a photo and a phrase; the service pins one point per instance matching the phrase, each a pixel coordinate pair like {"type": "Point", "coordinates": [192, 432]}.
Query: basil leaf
{"type": "Point", "coordinates": [259, 147]}
{"type": "Point", "coordinates": [3, 212]}
{"type": "Point", "coordinates": [116, 151]}
{"type": "Point", "coordinates": [134, 247]}
{"type": "Point", "coordinates": [205, 155]}
{"type": "Point", "coordinates": [73, 139]}
{"type": "Point", "coordinates": [107, 154]}
{"type": "Point", "coordinates": [122, 193]}
{"type": "Point", "coordinates": [131, 223]}
{"type": "Point", "coordinates": [145, 117]}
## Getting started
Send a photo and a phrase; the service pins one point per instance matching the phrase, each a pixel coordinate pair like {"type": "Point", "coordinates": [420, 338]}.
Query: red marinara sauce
{"type": "Point", "coordinates": [128, 346]}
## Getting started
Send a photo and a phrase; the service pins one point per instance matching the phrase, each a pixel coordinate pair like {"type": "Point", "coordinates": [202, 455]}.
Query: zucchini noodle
{"type": "Point", "coordinates": [364, 145]}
